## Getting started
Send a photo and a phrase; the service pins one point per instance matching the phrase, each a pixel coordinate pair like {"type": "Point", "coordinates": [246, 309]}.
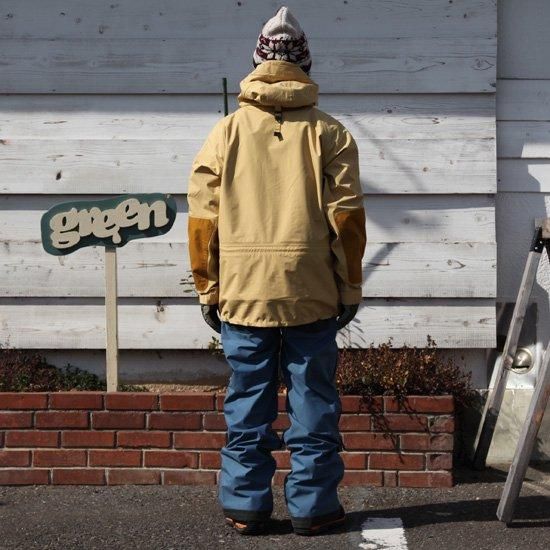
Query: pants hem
{"type": "Point", "coordinates": [247, 515]}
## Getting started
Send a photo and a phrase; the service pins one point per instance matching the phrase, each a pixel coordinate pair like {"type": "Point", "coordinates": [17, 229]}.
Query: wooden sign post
{"type": "Point", "coordinates": [110, 223]}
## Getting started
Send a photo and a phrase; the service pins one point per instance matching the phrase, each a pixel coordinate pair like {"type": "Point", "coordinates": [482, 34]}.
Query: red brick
{"type": "Point", "coordinates": [442, 424]}
{"type": "Point", "coordinates": [24, 477]}
{"type": "Point", "coordinates": [78, 476]}
{"type": "Point", "coordinates": [214, 421]}
{"type": "Point", "coordinates": [426, 442]}
{"type": "Point", "coordinates": [87, 439]}
{"type": "Point", "coordinates": [143, 439]}
{"type": "Point", "coordinates": [390, 479]}
{"type": "Point", "coordinates": [414, 442]}
{"type": "Point", "coordinates": [279, 477]}
{"type": "Point", "coordinates": [421, 404]}
{"type": "Point", "coordinates": [354, 461]}
{"type": "Point", "coordinates": [439, 461]}
{"type": "Point", "coordinates": [14, 458]}
{"type": "Point", "coordinates": [355, 422]}
{"type": "Point", "coordinates": [368, 441]}
{"type": "Point", "coordinates": [171, 459]}
{"type": "Point", "coordinates": [174, 421]}
{"type": "Point", "coordinates": [15, 419]}
{"type": "Point", "coordinates": [396, 461]}
{"type": "Point", "coordinates": [115, 457]}
{"type": "Point", "coordinates": [58, 457]}
{"type": "Point", "coordinates": [76, 400]}
{"type": "Point", "coordinates": [189, 477]}
{"type": "Point", "coordinates": [400, 422]}
{"type": "Point", "coordinates": [200, 440]}
{"type": "Point", "coordinates": [357, 477]}
{"type": "Point", "coordinates": [282, 459]}
{"type": "Point", "coordinates": [140, 401]}
{"type": "Point", "coordinates": [31, 438]}
{"type": "Point", "coordinates": [220, 397]}
{"type": "Point", "coordinates": [199, 401]}
{"type": "Point", "coordinates": [23, 400]}
{"type": "Point", "coordinates": [282, 422]}
{"type": "Point", "coordinates": [110, 420]}
{"type": "Point", "coordinates": [425, 479]}
{"type": "Point", "coordinates": [133, 477]}
{"type": "Point", "coordinates": [210, 460]}
{"type": "Point", "coordinates": [357, 404]}
{"type": "Point", "coordinates": [55, 419]}
{"type": "Point", "coordinates": [1, 439]}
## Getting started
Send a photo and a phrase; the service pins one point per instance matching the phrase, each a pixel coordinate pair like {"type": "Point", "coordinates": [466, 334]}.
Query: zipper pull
{"type": "Point", "coordinates": [279, 120]}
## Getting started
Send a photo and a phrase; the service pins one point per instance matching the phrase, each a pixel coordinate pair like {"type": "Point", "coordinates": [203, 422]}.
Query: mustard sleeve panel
{"type": "Point", "coordinates": [203, 253]}
{"type": "Point", "coordinates": [351, 226]}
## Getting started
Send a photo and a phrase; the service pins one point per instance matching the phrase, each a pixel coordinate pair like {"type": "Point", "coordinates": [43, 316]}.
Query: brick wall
{"type": "Point", "coordinates": [96, 438]}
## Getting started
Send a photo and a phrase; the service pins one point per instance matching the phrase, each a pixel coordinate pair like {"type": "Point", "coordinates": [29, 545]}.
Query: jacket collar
{"type": "Point", "coordinates": [278, 83]}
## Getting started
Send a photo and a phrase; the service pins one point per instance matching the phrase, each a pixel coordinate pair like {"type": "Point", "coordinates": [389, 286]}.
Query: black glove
{"type": "Point", "coordinates": [347, 313]}
{"type": "Point", "coordinates": [210, 314]}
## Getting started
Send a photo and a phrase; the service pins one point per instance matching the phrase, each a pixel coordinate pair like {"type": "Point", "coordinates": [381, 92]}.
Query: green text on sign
{"type": "Point", "coordinates": [110, 222]}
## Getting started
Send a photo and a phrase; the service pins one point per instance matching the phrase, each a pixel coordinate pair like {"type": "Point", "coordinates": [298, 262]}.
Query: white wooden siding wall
{"type": "Point", "coordinates": [523, 124]}
{"type": "Point", "coordinates": [102, 98]}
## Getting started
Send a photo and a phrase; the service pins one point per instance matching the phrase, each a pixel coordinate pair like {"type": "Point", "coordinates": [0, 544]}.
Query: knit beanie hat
{"type": "Point", "coordinates": [282, 38]}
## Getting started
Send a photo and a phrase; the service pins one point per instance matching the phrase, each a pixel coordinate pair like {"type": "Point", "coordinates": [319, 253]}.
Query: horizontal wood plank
{"type": "Point", "coordinates": [320, 18]}
{"type": "Point", "coordinates": [387, 65]}
{"type": "Point", "coordinates": [142, 166]}
{"type": "Point", "coordinates": [390, 218]}
{"type": "Point", "coordinates": [177, 324]}
{"type": "Point", "coordinates": [162, 270]}
{"type": "Point", "coordinates": [524, 176]}
{"type": "Point", "coordinates": [523, 99]}
{"type": "Point", "coordinates": [524, 139]}
{"type": "Point", "coordinates": [191, 116]}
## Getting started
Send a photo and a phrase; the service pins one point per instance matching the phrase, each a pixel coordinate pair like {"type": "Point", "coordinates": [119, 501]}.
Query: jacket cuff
{"type": "Point", "coordinates": [210, 298]}
{"type": "Point", "coordinates": [350, 296]}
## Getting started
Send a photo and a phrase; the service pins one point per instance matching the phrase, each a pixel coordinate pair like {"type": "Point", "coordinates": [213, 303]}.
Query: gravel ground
{"type": "Point", "coordinates": [178, 517]}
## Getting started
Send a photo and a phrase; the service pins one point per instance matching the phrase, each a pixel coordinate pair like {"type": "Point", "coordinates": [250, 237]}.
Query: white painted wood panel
{"type": "Point", "coordinates": [523, 99]}
{"type": "Point", "coordinates": [390, 218]}
{"type": "Point", "coordinates": [517, 215]}
{"type": "Point", "coordinates": [167, 19]}
{"type": "Point", "coordinates": [173, 324]}
{"type": "Point", "coordinates": [162, 270]}
{"type": "Point", "coordinates": [387, 65]}
{"type": "Point", "coordinates": [192, 116]}
{"type": "Point", "coordinates": [524, 39]}
{"type": "Point", "coordinates": [143, 166]}
{"type": "Point", "coordinates": [113, 97]}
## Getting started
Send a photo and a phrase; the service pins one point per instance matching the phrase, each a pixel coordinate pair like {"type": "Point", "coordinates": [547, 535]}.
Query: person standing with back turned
{"type": "Point", "coordinates": [276, 237]}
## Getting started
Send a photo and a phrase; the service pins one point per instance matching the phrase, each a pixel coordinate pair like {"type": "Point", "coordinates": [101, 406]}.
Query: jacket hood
{"type": "Point", "coordinates": [278, 83]}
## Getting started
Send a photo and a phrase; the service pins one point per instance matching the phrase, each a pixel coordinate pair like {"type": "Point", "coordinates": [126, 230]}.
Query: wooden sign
{"type": "Point", "coordinates": [110, 223]}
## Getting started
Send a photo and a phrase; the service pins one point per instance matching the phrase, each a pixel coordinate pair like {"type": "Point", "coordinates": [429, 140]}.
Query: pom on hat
{"type": "Point", "coordinates": [282, 38]}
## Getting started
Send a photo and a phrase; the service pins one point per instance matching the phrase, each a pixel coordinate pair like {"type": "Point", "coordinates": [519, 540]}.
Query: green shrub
{"type": "Point", "coordinates": [402, 371]}
{"type": "Point", "coordinates": [27, 371]}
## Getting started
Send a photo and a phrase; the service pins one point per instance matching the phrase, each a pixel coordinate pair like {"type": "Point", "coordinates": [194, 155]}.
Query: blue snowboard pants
{"type": "Point", "coordinates": [307, 355]}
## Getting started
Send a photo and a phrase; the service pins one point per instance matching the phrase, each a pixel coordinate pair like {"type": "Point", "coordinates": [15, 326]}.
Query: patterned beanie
{"type": "Point", "coordinates": [283, 38]}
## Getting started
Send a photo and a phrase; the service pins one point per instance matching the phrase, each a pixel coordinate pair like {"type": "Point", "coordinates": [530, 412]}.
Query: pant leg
{"type": "Point", "coordinates": [250, 407]}
{"type": "Point", "coordinates": [309, 357]}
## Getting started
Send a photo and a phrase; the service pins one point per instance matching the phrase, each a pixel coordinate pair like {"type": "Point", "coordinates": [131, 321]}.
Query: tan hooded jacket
{"type": "Point", "coordinates": [276, 219]}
